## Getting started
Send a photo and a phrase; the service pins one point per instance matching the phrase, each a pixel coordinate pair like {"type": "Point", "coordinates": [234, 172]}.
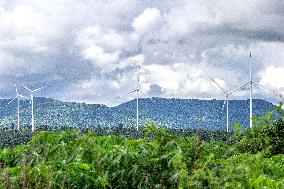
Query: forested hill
{"type": "Point", "coordinates": [177, 113]}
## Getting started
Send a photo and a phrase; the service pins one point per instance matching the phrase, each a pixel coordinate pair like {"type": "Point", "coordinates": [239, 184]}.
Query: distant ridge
{"type": "Point", "coordinates": [174, 113]}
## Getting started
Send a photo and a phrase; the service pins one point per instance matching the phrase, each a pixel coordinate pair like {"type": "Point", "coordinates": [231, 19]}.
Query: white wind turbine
{"type": "Point", "coordinates": [18, 96]}
{"type": "Point", "coordinates": [32, 103]}
{"type": "Point", "coordinates": [251, 82]}
{"type": "Point", "coordinates": [250, 101]}
{"type": "Point", "coordinates": [137, 97]}
{"type": "Point", "coordinates": [250, 94]}
{"type": "Point", "coordinates": [226, 101]}
{"type": "Point", "coordinates": [137, 90]}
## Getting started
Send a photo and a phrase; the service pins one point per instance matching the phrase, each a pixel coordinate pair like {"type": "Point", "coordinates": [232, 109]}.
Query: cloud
{"type": "Point", "coordinates": [22, 30]}
{"type": "Point", "coordinates": [155, 90]}
{"type": "Point", "coordinates": [165, 76]}
{"type": "Point", "coordinates": [250, 20]}
{"type": "Point", "coordinates": [181, 79]}
{"type": "Point", "coordinates": [100, 57]}
{"type": "Point", "coordinates": [273, 78]}
{"type": "Point", "coordinates": [90, 50]}
{"type": "Point", "coordinates": [107, 38]}
{"type": "Point", "coordinates": [105, 48]}
{"type": "Point", "coordinates": [134, 60]}
{"type": "Point", "coordinates": [148, 21]}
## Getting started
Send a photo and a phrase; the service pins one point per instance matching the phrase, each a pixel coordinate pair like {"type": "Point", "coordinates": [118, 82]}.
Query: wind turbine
{"type": "Point", "coordinates": [226, 101]}
{"type": "Point", "coordinates": [32, 103]}
{"type": "Point", "coordinates": [250, 89]}
{"type": "Point", "coordinates": [251, 82]}
{"type": "Point", "coordinates": [137, 90]}
{"type": "Point", "coordinates": [250, 101]}
{"type": "Point", "coordinates": [18, 96]}
{"type": "Point", "coordinates": [137, 97]}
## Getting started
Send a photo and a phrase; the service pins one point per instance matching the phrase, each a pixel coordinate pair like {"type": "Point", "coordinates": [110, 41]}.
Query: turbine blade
{"type": "Point", "coordinates": [38, 89]}
{"type": "Point", "coordinates": [12, 100]}
{"type": "Point", "coordinates": [272, 91]}
{"type": "Point", "coordinates": [23, 96]}
{"type": "Point", "coordinates": [241, 88]}
{"type": "Point", "coordinates": [27, 88]}
{"type": "Point", "coordinates": [219, 86]}
{"type": "Point", "coordinates": [16, 89]}
{"type": "Point", "coordinates": [223, 105]}
{"type": "Point", "coordinates": [126, 94]}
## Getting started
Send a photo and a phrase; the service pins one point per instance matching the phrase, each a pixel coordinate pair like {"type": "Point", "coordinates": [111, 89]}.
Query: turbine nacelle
{"type": "Point", "coordinates": [35, 90]}
{"type": "Point", "coordinates": [17, 97]}
{"type": "Point", "coordinates": [227, 94]}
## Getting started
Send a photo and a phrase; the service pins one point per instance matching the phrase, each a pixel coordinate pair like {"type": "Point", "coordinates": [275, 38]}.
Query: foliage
{"type": "Point", "coordinates": [267, 136]}
{"type": "Point", "coordinates": [152, 158]}
{"type": "Point", "coordinates": [76, 159]}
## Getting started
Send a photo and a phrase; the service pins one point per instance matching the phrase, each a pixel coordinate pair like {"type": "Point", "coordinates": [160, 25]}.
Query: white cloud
{"type": "Point", "coordinates": [180, 79]}
{"type": "Point", "coordinates": [100, 57]}
{"type": "Point", "coordinates": [98, 35]}
{"type": "Point", "coordinates": [23, 29]}
{"type": "Point", "coordinates": [165, 76]}
{"type": "Point", "coordinates": [273, 78]}
{"type": "Point", "coordinates": [104, 47]}
{"type": "Point", "coordinates": [148, 21]}
{"type": "Point", "coordinates": [132, 61]}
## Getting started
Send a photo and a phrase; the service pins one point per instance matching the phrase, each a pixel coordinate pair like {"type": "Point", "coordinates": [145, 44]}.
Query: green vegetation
{"type": "Point", "coordinates": [250, 158]}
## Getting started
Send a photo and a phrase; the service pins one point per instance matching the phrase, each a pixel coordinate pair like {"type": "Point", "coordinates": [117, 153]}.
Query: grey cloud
{"type": "Point", "coordinates": [155, 90]}
{"type": "Point", "coordinates": [254, 35]}
{"type": "Point", "coordinates": [230, 31]}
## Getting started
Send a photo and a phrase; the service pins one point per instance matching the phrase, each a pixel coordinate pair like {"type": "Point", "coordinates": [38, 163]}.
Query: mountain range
{"type": "Point", "coordinates": [170, 113]}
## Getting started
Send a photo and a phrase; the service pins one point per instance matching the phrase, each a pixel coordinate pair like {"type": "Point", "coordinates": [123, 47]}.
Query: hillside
{"type": "Point", "coordinates": [177, 113]}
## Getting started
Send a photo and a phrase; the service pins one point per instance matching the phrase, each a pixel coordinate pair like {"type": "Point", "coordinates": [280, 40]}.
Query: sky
{"type": "Point", "coordinates": [89, 50]}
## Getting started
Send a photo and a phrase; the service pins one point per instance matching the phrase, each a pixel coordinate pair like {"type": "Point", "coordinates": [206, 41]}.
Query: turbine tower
{"type": "Point", "coordinates": [18, 96]}
{"type": "Point", "coordinates": [137, 90]}
{"type": "Point", "coordinates": [137, 97]}
{"type": "Point", "coordinates": [32, 103]}
{"type": "Point", "coordinates": [250, 101]}
{"type": "Point", "coordinates": [226, 101]}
